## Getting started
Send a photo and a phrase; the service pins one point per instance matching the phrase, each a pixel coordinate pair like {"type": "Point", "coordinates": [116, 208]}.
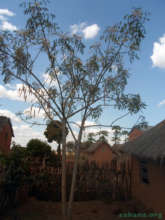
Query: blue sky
{"type": "Point", "coordinates": [89, 18]}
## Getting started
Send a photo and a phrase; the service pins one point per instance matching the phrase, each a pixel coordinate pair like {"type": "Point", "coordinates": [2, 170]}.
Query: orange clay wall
{"type": "Point", "coordinates": [102, 155]}
{"type": "Point", "coordinates": [134, 134]}
{"type": "Point", "coordinates": [152, 194]}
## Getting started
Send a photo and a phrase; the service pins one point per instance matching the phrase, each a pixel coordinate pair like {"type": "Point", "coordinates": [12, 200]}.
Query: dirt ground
{"type": "Point", "coordinates": [88, 210]}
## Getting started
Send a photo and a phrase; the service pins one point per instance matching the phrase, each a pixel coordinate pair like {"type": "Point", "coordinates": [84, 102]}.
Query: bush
{"type": "Point", "coordinates": [53, 160]}
{"type": "Point", "coordinates": [43, 187]}
{"type": "Point", "coordinates": [14, 176]}
{"type": "Point", "coordinates": [38, 148]}
{"type": "Point", "coordinates": [18, 151]}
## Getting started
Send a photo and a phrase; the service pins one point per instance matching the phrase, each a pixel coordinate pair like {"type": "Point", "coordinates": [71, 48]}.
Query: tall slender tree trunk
{"type": "Point", "coordinates": [59, 152]}
{"type": "Point", "coordinates": [71, 197]}
{"type": "Point", "coordinates": [63, 182]}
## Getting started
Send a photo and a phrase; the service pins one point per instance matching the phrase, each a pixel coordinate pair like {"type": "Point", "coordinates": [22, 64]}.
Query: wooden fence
{"type": "Point", "coordinates": [94, 181]}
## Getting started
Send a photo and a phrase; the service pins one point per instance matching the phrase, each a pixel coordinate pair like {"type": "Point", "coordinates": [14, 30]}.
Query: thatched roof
{"type": "Point", "coordinates": [92, 147]}
{"type": "Point", "coordinates": [4, 120]}
{"type": "Point", "coordinates": [116, 149]}
{"type": "Point", "coordinates": [150, 145]}
{"type": "Point", "coordinates": [143, 129]}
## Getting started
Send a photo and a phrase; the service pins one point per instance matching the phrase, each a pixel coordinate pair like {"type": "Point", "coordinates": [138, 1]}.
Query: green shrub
{"type": "Point", "coordinates": [14, 176]}
{"type": "Point", "coordinates": [38, 148]}
{"type": "Point", "coordinates": [18, 151]}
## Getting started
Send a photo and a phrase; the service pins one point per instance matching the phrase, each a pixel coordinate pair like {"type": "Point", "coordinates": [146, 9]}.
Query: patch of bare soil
{"type": "Point", "coordinates": [88, 210]}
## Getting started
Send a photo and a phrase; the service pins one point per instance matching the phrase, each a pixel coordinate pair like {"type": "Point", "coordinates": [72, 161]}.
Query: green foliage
{"type": "Point", "coordinates": [116, 134]}
{"type": "Point", "coordinates": [102, 139]}
{"type": "Point", "coordinates": [103, 136]}
{"type": "Point", "coordinates": [53, 131]}
{"type": "Point", "coordinates": [18, 151]}
{"type": "Point", "coordinates": [78, 84]}
{"type": "Point", "coordinates": [98, 136]}
{"type": "Point", "coordinates": [43, 186]}
{"type": "Point", "coordinates": [53, 160]}
{"type": "Point", "coordinates": [15, 173]}
{"type": "Point", "coordinates": [91, 138]}
{"type": "Point", "coordinates": [14, 176]}
{"type": "Point", "coordinates": [38, 148]}
{"type": "Point", "coordinates": [141, 122]}
{"type": "Point", "coordinates": [100, 79]}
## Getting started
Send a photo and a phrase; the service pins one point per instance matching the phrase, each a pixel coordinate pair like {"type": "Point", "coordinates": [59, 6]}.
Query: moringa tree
{"type": "Point", "coordinates": [75, 83]}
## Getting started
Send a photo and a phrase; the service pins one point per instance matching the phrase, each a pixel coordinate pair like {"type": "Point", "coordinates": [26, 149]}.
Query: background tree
{"type": "Point", "coordinates": [15, 174]}
{"type": "Point", "coordinates": [53, 132]}
{"type": "Point", "coordinates": [103, 136]}
{"type": "Point", "coordinates": [125, 133]}
{"type": "Point", "coordinates": [38, 148]}
{"type": "Point", "coordinates": [116, 134]}
{"type": "Point", "coordinates": [18, 151]}
{"type": "Point", "coordinates": [141, 122]}
{"type": "Point", "coordinates": [90, 137]}
{"type": "Point", "coordinates": [77, 84]}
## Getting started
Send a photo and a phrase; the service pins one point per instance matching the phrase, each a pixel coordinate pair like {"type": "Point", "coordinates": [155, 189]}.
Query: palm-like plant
{"type": "Point", "coordinates": [53, 132]}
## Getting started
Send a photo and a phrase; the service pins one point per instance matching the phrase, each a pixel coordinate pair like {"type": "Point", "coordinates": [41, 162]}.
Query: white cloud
{"type": "Point", "coordinates": [158, 56]}
{"type": "Point", "coordinates": [34, 112]}
{"type": "Point", "coordinates": [91, 31]}
{"type": "Point", "coordinates": [88, 32]}
{"type": "Point", "coordinates": [12, 116]}
{"type": "Point", "coordinates": [87, 123]}
{"type": "Point", "coordinates": [2, 18]}
{"type": "Point", "coordinates": [7, 26]}
{"type": "Point", "coordinates": [10, 86]}
{"type": "Point", "coordinates": [10, 94]}
{"type": "Point", "coordinates": [161, 103]}
{"type": "Point", "coordinates": [14, 94]}
{"type": "Point", "coordinates": [6, 12]}
{"type": "Point", "coordinates": [23, 133]}
{"type": "Point", "coordinates": [77, 29]}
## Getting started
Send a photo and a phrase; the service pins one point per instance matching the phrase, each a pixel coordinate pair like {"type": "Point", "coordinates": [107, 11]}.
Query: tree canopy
{"type": "Point", "coordinates": [36, 147]}
{"type": "Point", "coordinates": [78, 83]}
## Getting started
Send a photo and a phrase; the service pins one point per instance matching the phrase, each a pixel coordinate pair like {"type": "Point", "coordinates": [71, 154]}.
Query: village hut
{"type": "Point", "coordinates": [99, 152]}
{"type": "Point", "coordinates": [6, 134]}
{"type": "Point", "coordinates": [137, 131]}
{"type": "Point", "coordinates": [147, 153]}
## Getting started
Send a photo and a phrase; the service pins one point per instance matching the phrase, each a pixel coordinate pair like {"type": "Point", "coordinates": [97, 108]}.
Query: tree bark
{"type": "Point", "coordinates": [59, 152]}
{"type": "Point", "coordinates": [63, 182]}
{"type": "Point", "coordinates": [71, 197]}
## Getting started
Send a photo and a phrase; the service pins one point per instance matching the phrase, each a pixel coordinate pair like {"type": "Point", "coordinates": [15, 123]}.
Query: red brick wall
{"type": "Point", "coordinates": [5, 139]}
{"type": "Point", "coordinates": [152, 194]}
{"type": "Point", "coordinates": [134, 134]}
